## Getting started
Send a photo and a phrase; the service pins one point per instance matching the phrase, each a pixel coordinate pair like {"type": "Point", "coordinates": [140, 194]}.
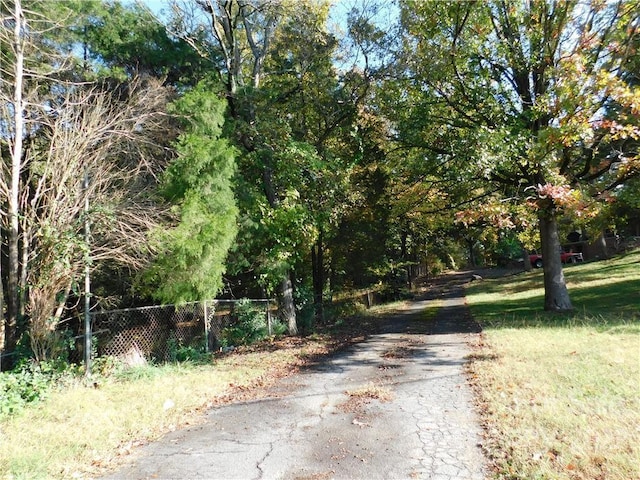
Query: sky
{"type": "Point", "coordinates": [340, 9]}
{"type": "Point", "coordinates": [387, 14]}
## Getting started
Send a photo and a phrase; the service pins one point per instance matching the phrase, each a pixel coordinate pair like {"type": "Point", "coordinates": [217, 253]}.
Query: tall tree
{"type": "Point", "coordinates": [319, 127]}
{"type": "Point", "coordinates": [235, 36]}
{"type": "Point", "coordinates": [127, 40]}
{"type": "Point", "coordinates": [198, 183]}
{"type": "Point", "coordinates": [15, 44]}
{"type": "Point", "coordinates": [53, 132]}
{"type": "Point", "coordinates": [24, 57]}
{"type": "Point", "coordinates": [525, 83]}
{"type": "Point", "coordinates": [121, 41]}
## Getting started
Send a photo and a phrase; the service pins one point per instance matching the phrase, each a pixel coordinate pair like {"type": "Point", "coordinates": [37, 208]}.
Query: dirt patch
{"type": "Point", "coordinates": [359, 399]}
{"type": "Point", "coordinates": [407, 349]}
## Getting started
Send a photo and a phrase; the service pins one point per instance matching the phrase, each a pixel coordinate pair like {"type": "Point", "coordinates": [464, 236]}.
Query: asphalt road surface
{"type": "Point", "coordinates": [396, 406]}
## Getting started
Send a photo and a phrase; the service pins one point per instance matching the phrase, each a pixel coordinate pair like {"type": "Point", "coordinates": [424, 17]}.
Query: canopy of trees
{"type": "Point", "coordinates": [297, 149]}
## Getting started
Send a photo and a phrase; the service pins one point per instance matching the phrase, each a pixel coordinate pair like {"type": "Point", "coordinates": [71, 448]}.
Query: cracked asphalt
{"type": "Point", "coordinates": [396, 406]}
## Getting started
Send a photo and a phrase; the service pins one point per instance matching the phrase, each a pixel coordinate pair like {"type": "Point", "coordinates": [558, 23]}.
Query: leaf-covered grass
{"type": "Point", "coordinates": [560, 394]}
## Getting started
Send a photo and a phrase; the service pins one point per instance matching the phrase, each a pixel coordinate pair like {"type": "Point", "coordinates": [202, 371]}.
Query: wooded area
{"type": "Point", "coordinates": [244, 148]}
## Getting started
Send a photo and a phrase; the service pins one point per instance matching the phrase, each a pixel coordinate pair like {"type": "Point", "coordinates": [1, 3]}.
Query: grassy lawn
{"type": "Point", "coordinates": [560, 394]}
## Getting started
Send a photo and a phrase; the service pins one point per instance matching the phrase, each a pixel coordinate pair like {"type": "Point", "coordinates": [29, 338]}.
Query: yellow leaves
{"type": "Point", "coordinates": [630, 98]}
{"type": "Point", "coordinates": [579, 117]}
{"type": "Point", "coordinates": [579, 96]}
{"type": "Point", "coordinates": [608, 84]}
{"type": "Point", "coordinates": [494, 213]}
{"type": "Point", "coordinates": [628, 166]}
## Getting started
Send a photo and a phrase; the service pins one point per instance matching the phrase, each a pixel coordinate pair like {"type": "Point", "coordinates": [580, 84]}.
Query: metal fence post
{"type": "Point", "coordinates": [206, 327]}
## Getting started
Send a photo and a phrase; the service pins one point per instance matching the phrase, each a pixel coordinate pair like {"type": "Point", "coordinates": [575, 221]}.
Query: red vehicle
{"type": "Point", "coordinates": [565, 257]}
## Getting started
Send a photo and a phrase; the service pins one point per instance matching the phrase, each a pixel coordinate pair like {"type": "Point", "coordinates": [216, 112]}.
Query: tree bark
{"type": "Point", "coordinates": [525, 259]}
{"type": "Point", "coordinates": [288, 305]}
{"type": "Point", "coordinates": [601, 246]}
{"type": "Point", "coordinates": [556, 295]}
{"type": "Point", "coordinates": [13, 209]}
{"type": "Point", "coordinates": [317, 263]}
{"type": "Point", "coordinates": [472, 259]}
{"type": "Point", "coordinates": [24, 262]}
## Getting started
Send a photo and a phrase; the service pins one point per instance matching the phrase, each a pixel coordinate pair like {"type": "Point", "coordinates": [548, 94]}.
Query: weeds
{"type": "Point", "coordinates": [32, 382]}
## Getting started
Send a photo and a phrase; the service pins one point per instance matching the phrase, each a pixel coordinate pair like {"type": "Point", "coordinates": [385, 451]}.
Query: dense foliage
{"type": "Point", "coordinates": [198, 183]}
{"type": "Point", "coordinates": [298, 149]}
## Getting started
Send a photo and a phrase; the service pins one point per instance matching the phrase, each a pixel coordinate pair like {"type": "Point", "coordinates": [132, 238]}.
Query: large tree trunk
{"type": "Point", "coordinates": [601, 246]}
{"type": "Point", "coordinates": [556, 295]}
{"type": "Point", "coordinates": [288, 305]}
{"type": "Point", "coordinates": [526, 261]}
{"type": "Point", "coordinates": [286, 286]}
{"type": "Point", "coordinates": [24, 262]}
{"type": "Point", "coordinates": [317, 264]}
{"type": "Point", "coordinates": [472, 259]}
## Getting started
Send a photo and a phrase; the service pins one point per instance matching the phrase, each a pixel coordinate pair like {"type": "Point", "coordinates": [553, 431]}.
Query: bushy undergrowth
{"type": "Point", "coordinates": [31, 382]}
{"type": "Point", "coordinates": [187, 353]}
{"type": "Point", "coordinates": [250, 327]}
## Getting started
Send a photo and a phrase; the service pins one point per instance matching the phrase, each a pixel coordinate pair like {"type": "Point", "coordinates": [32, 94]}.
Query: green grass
{"type": "Point", "coordinates": [560, 394]}
{"type": "Point", "coordinates": [606, 291]}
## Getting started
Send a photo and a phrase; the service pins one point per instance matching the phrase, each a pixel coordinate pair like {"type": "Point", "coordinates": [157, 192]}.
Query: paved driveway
{"type": "Point", "coordinates": [394, 407]}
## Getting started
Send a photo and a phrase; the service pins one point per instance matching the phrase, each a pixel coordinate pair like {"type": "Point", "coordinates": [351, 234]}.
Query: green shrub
{"type": "Point", "coordinates": [435, 266]}
{"type": "Point", "coordinates": [347, 309]}
{"type": "Point", "coordinates": [30, 382]}
{"type": "Point", "coordinates": [106, 366]}
{"type": "Point", "coordinates": [277, 327]}
{"type": "Point", "coordinates": [186, 353]}
{"type": "Point", "coordinates": [250, 327]}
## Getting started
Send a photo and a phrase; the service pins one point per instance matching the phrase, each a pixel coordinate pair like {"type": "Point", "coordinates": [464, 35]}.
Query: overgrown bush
{"type": "Point", "coordinates": [186, 353]}
{"type": "Point", "coordinates": [250, 327]}
{"type": "Point", "coordinates": [31, 382]}
{"type": "Point", "coordinates": [106, 366]}
{"type": "Point", "coordinates": [435, 266]}
{"type": "Point", "coordinates": [506, 250]}
{"type": "Point", "coordinates": [347, 308]}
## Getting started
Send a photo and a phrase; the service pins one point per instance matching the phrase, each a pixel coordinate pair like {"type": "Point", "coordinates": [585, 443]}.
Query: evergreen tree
{"type": "Point", "coordinates": [199, 183]}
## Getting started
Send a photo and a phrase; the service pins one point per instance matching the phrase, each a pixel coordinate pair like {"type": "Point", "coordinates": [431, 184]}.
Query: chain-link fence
{"type": "Point", "coordinates": [156, 333]}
